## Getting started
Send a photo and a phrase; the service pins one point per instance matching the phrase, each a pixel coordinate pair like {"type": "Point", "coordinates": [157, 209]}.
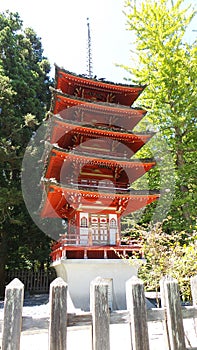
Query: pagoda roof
{"type": "Point", "coordinates": [60, 160]}
{"type": "Point", "coordinates": [99, 90]}
{"type": "Point", "coordinates": [61, 201]}
{"type": "Point", "coordinates": [64, 100]}
{"type": "Point", "coordinates": [61, 132]}
{"type": "Point", "coordinates": [72, 108]}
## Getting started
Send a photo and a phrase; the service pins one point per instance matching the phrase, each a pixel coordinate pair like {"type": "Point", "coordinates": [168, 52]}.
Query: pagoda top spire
{"type": "Point", "coordinates": [89, 51]}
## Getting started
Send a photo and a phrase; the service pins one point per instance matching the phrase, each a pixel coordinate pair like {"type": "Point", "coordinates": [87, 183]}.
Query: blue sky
{"type": "Point", "coordinates": [62, 26]}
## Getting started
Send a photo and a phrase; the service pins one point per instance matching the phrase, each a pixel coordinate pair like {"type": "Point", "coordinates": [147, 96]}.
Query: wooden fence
{"type": "Point", "coordinates": [34, 281]}
{"type": "Point", "coordinates": [171, 314]}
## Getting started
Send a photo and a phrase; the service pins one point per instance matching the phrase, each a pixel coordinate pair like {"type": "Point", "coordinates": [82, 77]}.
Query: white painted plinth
{"type": "Point", "coordinates": [78, 273]}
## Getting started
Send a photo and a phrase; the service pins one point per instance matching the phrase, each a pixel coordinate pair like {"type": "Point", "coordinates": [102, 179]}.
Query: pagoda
{"type": "Point", "coordinates": [88, 179]}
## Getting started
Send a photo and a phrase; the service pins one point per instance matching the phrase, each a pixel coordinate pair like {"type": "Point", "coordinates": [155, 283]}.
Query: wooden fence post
{"type": "Point", "coordinates": [58, 315]}
{"type": "Point", "coordinates": [100, 314]}
{"type": "Point", "coordinates": [138, 317]}
{"type": "Point", "coordinates": [163, 305]}
{"type": "Point", "coordinates": [193, 283]}
{"type": "Point", "coordinates": [14, 295]}
{"type": "Point", "coordinates": [174, 314]}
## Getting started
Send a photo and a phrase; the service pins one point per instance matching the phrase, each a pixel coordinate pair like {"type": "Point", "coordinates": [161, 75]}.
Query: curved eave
{"type": "Point", "coordinates": [68, 82]}
{"type": "Point", "coordinates": [75, 128]}
{"type": "Point", "coordinates": [84, 77]}
{"type": "Point", "coordinates": [59, 160]}
{"type": "Point", "coordinates": [62, 101]}
{"type": "Point", "coordinates": [61, 201]}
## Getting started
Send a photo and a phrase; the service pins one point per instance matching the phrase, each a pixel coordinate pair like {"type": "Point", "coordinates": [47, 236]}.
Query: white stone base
{"type": "Point", "coordinates": [78, 273]}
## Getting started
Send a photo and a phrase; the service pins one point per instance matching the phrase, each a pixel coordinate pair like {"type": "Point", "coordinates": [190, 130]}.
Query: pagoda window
{"type": "Point", "coordinates": [113, 223]}
{"type": "Point", "coordinates": [84, 222]}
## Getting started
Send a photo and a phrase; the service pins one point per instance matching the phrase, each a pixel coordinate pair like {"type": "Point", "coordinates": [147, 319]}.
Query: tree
{"type": "Point", "coordinates": [24, 100]}
{"type": "Point", "coordinates": [168, 65]}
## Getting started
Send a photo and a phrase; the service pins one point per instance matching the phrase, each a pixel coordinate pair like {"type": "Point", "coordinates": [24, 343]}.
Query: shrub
{"type": "Point", "coordinates": [172, 254]}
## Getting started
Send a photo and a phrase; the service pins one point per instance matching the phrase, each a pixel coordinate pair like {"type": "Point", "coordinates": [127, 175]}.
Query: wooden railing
{"type": "Point", "coordinates": [89, 237]}
{"type": "Point", "coordinates": [59, 250]}
{"type": "Point", "coordinates": [92, 238]}
{"type": "Point", "coordinates": [100, 317]}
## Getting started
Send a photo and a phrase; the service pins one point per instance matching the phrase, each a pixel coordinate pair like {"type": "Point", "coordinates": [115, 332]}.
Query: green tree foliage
{"type": "Point", "coordinates": [168, 65]}
{"type": "Point", "coordinates": [24, 100]}
{"type": "Point", "coordinates": [166, 254]}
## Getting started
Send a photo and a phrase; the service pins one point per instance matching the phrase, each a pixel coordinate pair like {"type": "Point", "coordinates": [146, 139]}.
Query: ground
{"type": "Point", "coordinates": [35, 334]}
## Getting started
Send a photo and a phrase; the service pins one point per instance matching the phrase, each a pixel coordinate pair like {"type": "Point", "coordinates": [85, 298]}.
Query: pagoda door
{"type": "Point", "coordinates": [104, 231]}
{"type": "Point", "coordinates": [99, 229]}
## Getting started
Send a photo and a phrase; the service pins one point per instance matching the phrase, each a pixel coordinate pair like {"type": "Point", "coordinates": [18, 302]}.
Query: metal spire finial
{"type": "Point", "coordinates": [89, 52]}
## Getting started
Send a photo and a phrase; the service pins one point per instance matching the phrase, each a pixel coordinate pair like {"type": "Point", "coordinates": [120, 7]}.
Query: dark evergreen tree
{"type": "Point", "coordinates": [24, 101]}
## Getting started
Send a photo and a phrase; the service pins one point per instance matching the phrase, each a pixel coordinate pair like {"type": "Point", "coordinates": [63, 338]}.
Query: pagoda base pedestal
{"type": "Point", "coordinates": [79, 273]}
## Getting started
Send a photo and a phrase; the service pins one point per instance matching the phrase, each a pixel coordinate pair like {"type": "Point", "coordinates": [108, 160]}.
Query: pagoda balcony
{"type": "Point", "coordinates": [101, 187]}
{"type": "Point", "coordinates": [94, 186]}
{"type": "Point", "coordinates": [89, 238]}
{"type": "Point", "coordinates": [64, 250]}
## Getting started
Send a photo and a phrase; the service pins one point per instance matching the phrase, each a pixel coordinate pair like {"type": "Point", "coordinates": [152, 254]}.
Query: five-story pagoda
{"type": "Point", "coordinates": [88, 179]}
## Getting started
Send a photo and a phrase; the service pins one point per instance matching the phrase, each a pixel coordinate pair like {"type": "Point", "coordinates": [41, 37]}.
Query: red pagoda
{"type": "Point", "coordinates": [89, 173]}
